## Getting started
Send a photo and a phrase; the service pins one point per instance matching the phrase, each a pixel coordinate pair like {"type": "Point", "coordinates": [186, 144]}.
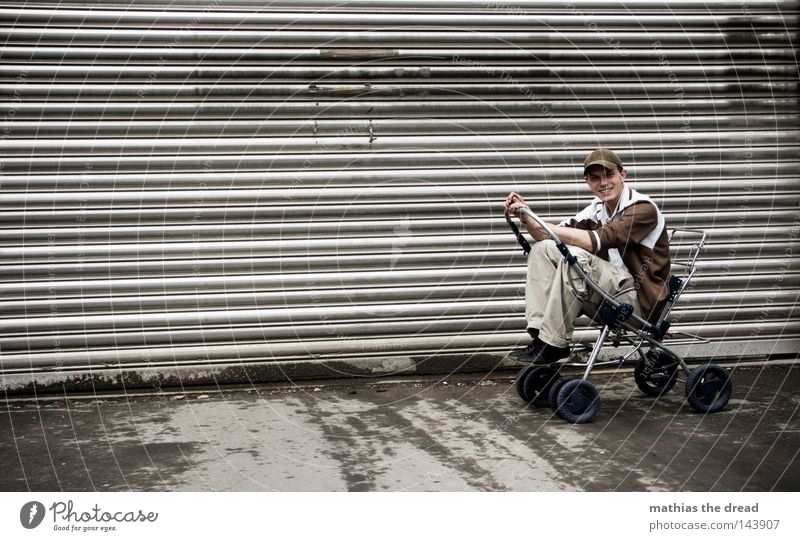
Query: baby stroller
{"type": "Point", "coordinates": [575, 399]}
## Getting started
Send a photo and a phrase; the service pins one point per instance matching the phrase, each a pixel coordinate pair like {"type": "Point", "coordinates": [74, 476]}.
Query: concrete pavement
{"type": "Point", "coordinates": [462, 433]}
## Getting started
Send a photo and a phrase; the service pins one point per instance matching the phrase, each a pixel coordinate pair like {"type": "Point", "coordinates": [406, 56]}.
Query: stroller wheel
{"type": "Point", "coordinates": [533, 384]}
{"type": "Point", "coordinates": [555, 388]}
{"type": "Point", "coordinates": [578, 401]}
{"type": "Point", "coordinates": [708, 388]}
{"type": "Point", "coordinates": [519, 384]}
{"type": "Point", "coordinates": [656, 374]}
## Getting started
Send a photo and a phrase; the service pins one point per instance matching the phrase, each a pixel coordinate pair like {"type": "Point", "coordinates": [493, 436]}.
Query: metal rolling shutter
{"type": "Point", "coordinates": [221, 191]}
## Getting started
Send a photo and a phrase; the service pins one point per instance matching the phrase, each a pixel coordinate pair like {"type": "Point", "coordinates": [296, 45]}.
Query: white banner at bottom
{"type": "Point", "coordinates": [396, 516]}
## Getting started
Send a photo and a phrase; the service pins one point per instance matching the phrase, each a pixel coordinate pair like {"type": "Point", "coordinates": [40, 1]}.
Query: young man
{"type": "Point", "coordinates": [619, 239]}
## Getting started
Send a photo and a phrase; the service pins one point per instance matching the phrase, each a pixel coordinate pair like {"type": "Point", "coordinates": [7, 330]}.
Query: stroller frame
{"type": "Point", "coordinates": [708, 386]}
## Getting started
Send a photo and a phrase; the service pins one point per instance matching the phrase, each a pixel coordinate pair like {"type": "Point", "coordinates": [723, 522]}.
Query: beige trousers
{"type": "Point", "coordinates": [555, 295]}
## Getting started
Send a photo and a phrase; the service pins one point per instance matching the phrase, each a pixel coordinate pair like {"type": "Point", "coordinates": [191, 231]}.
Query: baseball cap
{"type": "Point", "coordinates": [602, 156]}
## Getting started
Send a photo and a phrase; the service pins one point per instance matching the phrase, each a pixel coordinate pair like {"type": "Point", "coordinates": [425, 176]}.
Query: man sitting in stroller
{"type": "Point", "coordinates": [621, 241]}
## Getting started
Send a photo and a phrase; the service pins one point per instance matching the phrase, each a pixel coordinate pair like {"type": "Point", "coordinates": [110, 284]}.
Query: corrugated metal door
{"type": "Point", "coordinates": [220, 191]}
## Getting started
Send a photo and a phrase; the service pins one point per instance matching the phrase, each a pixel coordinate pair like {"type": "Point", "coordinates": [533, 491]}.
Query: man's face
{"type": "Point", "coordinates": [606, 184]}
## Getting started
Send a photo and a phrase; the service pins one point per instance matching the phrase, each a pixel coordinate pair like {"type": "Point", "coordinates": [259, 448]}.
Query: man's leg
{"type": "Point", "coordinates": [556, 295]}
{"type": "Point", "coordinates": [544, 262]}
{"type": "Point", "coordinates": [611, 279]}
{"type": "Point", "coordinates": [567, 296]}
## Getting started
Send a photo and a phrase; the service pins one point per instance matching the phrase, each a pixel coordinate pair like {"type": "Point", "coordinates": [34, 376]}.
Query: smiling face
{"type": "Point", "coordinates": [607, 184]}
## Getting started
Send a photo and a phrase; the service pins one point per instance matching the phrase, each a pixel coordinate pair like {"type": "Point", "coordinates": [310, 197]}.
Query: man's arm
{"type": "Point", "coordinates": [636, 222]}
{"type": "Point", "coordinates": [568, 235]}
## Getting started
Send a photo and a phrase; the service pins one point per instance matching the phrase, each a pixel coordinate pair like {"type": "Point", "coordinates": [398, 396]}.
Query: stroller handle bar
{"type": "Point", "coordinates": [573, 263]}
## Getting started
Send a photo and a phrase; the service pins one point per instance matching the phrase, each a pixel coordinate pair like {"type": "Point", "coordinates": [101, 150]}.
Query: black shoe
{"type": "Point", "coordinates": [528, 353]}
{"type": "Point", "coordinates": [539, 352]}
{"type": "Point", "coordinates": [534, 333]}
{"type": "Point", "coordinates": [552, 354]}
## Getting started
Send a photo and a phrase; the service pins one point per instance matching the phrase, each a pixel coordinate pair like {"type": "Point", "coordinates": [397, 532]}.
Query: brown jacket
{"type": "Point", "coordinates": [634, 237]}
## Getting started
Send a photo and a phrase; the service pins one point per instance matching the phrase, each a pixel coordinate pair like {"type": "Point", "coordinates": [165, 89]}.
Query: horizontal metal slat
{"type": "Point", "coordinates": [191, 36]}
{"type": "Point", "coordinates": [765, 267]}
{"type": "Point", "coordinates": [178, 250]}
{"type": "Point", "coordinates": [330, 53]}
{"type": "Point", "coordinates": [733, 303]}
{"type": "Point", "coordinates": [49, 286]}
{"type": "Point", "coordinates": [360, 196]}
{"type": "Point", "coordinates": [263, 316]}
{"type": "Point", "coordinates": [376, 262]}
{"type": "Point", "coordinates": [249, 213]}
{"type": "Point", "coordinates": [93, 92]}
{"type": "Point", "coordinates": [195, 232]}
{"type": "Point", "coordinates": [347, 331]}
{"type": "Point", "coordinates": [158, 301]}
{"type": "Point", "coordinates": [307, 19]}
{"type": "Point", "coordinates": [320, 314]}
{"type": "Point", "coordinates": [367, 109]}
{"type": "Point", "coordinates": [387, 159]}
{"type": "Point", "coordinates": [440, 5]}
{"type": "Point", "coordinates": [165, 73]}
{"type": "Point", "coordinates": [289, 247]}
{"type": "Point", "coordinates": [231, 300]}
{"type": "Point", "coordinates": [493, 177]}
{"type": "Point", "coordinates": [240, 334]}
{"type": "Point", "coordinates": [198, 266]}
{"type": "Point", "coordinates": [280, 281]}
{"type": "Point", "coordinates": [43, 129]}
{"type": "Point", "coordinates": [430, 143]}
